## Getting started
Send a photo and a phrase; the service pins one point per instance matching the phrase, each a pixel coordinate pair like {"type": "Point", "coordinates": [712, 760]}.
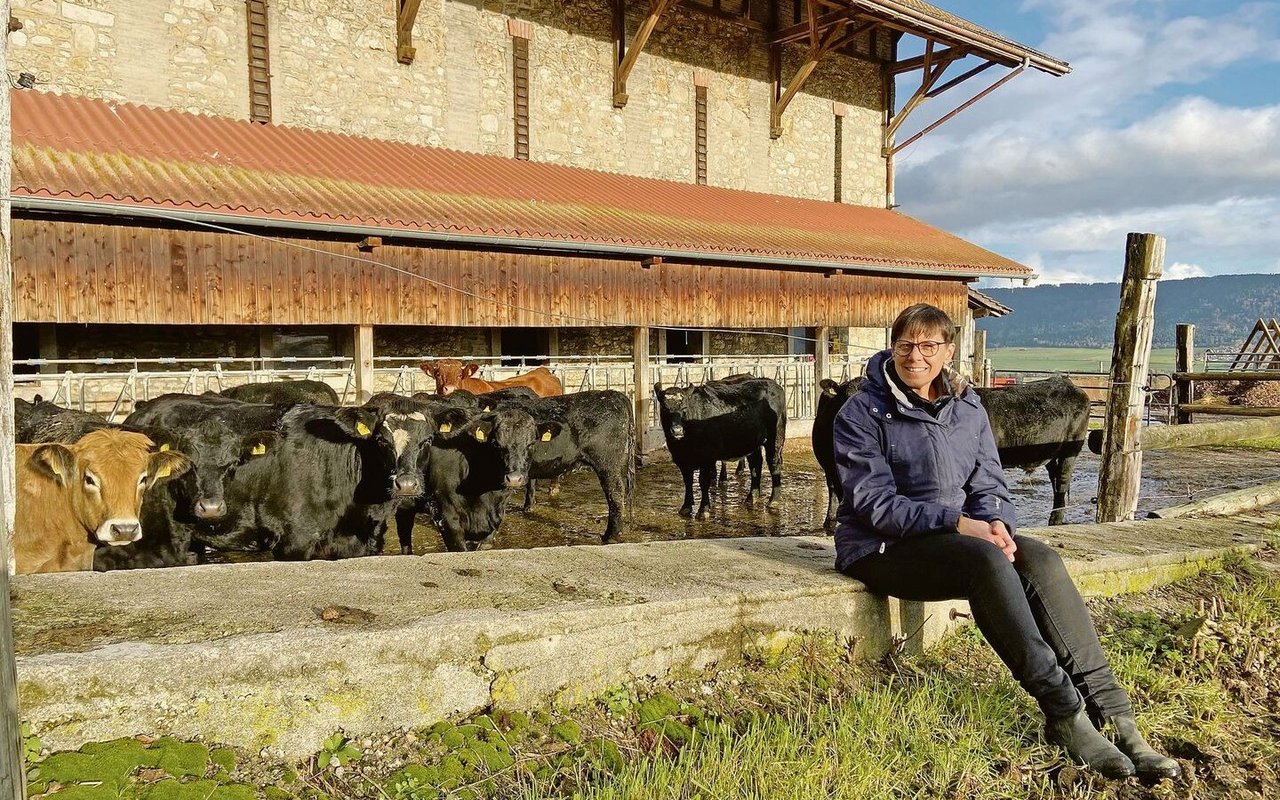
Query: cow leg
{"type": "Point", "coordinates": [742, 466]}
{"type": "Point", "coordinates": [773, 450]}
{"type": "Point", "coordinates": [404, 528]}
{"type": "Point", "coordinates": [724, 472]}
{"type": "Point", "coordinates": [706, 478]}
{"type": "Point", "coordinates": [686, 510]}
{"type": "Point", "coordinates": [555, 487]}
{"type": "Point", "coordinates": [528, 495]}
{"type": "Point", "coordinates": [833, 502]}
{"type": "Point", "coordinates": [614, 486]}
{"type": "Point", "coordinates": [1060, 470]}
{"type": "Point", "coordinates": [757, 466]}
{"type": "Point", "coordinates": [450, 524]}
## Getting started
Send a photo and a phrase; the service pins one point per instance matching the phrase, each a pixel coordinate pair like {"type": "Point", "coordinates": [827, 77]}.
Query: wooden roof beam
{"type": "Point", "coordinates": [626, 57]}
{"type": "Point", "coordinates": [909, 64]}
{"type": "Point", "coordinates": [927, 91]}
{"type": "Point", "coordinates": [804, 30]}
{"type": "Point", "coordinates": [406, 15]}
{"type": "Point", "coordinates": [822, 43]}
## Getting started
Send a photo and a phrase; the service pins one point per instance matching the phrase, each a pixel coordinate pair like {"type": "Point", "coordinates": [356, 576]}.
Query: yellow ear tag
{"type": "Point", "coordinates": [479, 435]}
{"type": "Point", "coordinates": [486, 408]}
{"type": "Point", "coordinates": [259, 449]}
{"type": "Point", "coordinates": [163, 472]}
{"type": "Point", "coordinates": [546, 437]}
{"type": "Point", "coordinates": [445, 427]}
{"type": "Point", "coordinates": [164, 448]}
{"type": "Point", "coordinates": [362, 429]}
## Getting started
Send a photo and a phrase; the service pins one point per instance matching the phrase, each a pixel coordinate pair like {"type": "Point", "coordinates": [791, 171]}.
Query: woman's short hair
{"type": "Point", "coordinates": [922, 318]}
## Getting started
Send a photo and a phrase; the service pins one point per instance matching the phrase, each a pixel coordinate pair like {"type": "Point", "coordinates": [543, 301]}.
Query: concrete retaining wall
{"type": "Point", "coordinates": [240, 653]}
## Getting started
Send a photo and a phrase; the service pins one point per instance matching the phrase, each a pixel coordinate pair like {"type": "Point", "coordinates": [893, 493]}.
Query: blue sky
{"type": "Point", "coordinates": [1169, 123]}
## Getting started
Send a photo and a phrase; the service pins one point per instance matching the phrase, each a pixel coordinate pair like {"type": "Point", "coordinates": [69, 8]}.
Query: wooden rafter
{"type": "Point", "coordinates": [825, 32]}
{"type": "Point", "coordinates": [627, 55]}
{"type": "Point", "coordinates": [406, 15]}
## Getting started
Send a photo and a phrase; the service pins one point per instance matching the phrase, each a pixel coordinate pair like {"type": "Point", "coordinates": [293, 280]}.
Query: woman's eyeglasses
{"type": "Point", "coordinates": [902, 348]}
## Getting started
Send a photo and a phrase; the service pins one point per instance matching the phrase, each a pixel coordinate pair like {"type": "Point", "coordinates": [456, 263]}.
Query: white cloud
{"type": "Point", "coordinates": [1180, 270]}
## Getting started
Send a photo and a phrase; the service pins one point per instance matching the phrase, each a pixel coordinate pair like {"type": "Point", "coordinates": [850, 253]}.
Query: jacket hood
{"type": "Point", "coordinates": [881, 385]}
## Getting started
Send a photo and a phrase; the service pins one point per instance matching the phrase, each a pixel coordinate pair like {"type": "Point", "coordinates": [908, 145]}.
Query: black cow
{"type": "Point", "coordinates": [477, 460]}
{"type": "Point", "coordinates": [1043, 423]}
{"type": "Point", "coordinates": [42, 421]}
{"type": "Point", "coordinates": [584, 428]}
{"type": "Point", "coordinates": [284, 391]}
{"type": "Point", "coordinates": [718, 421]}
{"type": "Point", "coordinates": [830, 400]}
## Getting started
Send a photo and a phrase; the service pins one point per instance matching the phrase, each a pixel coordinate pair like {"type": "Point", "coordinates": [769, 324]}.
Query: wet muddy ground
{"type": "Point", "coordinates": [576, 516]}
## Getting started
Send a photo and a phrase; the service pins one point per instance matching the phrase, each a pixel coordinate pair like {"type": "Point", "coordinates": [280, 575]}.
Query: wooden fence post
{"type": "Point", "coordinates": [13, 784]}
{"type": "Point", "coordinates": [1184, 390]}
{"type": "Point", "coordinates": [821, 357]}
{"type": "Point", "coordinates": [363, 363]}
{"type": "Point", "coordinates": [640, 354]}
{"type": "Point", "coordinates": [1121, 469]}
{"type": "Point", "coordinates": [981, 376]}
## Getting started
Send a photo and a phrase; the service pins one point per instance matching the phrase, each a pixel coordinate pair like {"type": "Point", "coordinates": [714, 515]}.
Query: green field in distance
{"type": "Point", "coordinates": [1068, 359]}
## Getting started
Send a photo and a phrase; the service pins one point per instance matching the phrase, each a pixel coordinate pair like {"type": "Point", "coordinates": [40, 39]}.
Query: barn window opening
{"type": "Point", "coordinates": [525, 347]}
{"type": "Point", "coordinates": [26, 346]}
{"type": "Point", "coordinates": [700, 136]}
{"type": "Point", "coordinates": [259, 62]}
{"type": "Point", "coordinates": [684, 346]}
{"type": "Point", "coordinates": [520, 89]}
{"type": "Point", "coordinates": [801, 341]}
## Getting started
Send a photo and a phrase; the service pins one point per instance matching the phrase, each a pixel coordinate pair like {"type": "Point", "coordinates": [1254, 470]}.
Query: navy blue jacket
{"type": "Point", "coordinates": [905, 473]}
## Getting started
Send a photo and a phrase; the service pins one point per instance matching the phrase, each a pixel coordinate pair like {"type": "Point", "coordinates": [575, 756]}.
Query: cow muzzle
{"type": "Point", "coordinates": [514, 480]}
{"type": "Point", "coordinates": [118, 532]}
{"type": "Point", "coordinates": [677, 432]}
{"type": "Point", "coordinates": [405, 486]}
{"type": "Point", "coordinates": [211, 508]}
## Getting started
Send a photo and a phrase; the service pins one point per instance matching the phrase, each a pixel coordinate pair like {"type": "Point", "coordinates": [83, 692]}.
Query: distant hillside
{"type": "Point", "coordinates": [1223, 309]}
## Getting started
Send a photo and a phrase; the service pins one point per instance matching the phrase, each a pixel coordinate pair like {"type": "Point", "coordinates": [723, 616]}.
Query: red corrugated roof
{"type": "Point", "coordinates": [70, 148]}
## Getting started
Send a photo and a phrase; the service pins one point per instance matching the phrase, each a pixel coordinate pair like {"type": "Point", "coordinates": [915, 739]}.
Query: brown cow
{"type": "Point", "coordinates": [450, 374]}
{"type": "Point", "coordinates": [71, 496]}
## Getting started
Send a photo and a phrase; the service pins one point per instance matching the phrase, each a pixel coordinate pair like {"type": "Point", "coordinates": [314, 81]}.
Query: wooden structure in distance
{"type": "Point", "coordinates": [1261, 349]}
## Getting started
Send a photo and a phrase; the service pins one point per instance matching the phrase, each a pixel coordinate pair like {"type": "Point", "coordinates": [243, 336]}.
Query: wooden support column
{"type": "Point", "coordinates": [1184, 390]}
{"type": "Point", "coordinates": [981, 376]}
{"type": "Point", "coordinates": [363, 362]}
{"type": "Point", "coordinates": [626, 56]}
{"type": "Point", "coordinates": [406, 15]}
{"type": "Point", "coordinates": [1121, 469]}
{"type": "Point", "coordinates": [640, 356]}
{"type": "Point", "coordinates": [821, 355]}
{"type": "Point", "coordinates": [13, 784]}
{"type": "Point", "coordinates": [266, 341]}
{"type": "Point", "coordinates": [47, 334]}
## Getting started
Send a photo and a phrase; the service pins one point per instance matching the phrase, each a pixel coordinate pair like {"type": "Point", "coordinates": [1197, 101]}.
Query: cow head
{"type": "Point", "coordinates": [449, 374]}
{"type": "Point", "coordinates": [673, 405]}
{"type": "Point", "coordinates": [217, 447]}
{"type": "Point", "coordinates": [105, 475]}
{"type": "Point", "coordinates": [406, 433]}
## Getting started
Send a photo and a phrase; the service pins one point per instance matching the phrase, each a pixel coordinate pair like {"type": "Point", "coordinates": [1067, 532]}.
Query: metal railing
{"type": "Point", "coordinates": [1160, 406]}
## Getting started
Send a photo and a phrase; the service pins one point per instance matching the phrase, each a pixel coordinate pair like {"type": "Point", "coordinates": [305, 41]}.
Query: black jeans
{"type": "Point", "coordinates": [1029, 610]}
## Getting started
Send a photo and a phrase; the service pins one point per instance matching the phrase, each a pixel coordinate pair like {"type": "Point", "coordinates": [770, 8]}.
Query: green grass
{"type": "Point", "coordinates": [1068, 359]}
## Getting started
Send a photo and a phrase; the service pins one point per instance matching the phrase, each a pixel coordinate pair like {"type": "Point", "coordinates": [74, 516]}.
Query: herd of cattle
{"type": "Point", "coordinates": [281, 468]}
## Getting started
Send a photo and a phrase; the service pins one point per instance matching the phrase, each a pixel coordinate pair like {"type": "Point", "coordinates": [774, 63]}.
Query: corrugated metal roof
{"type": "Point", "coordinates": [69, 148]}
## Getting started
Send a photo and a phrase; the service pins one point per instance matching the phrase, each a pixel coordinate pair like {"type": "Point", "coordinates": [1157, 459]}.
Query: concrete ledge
{"type": "Point", "coordinates": [240, 653]}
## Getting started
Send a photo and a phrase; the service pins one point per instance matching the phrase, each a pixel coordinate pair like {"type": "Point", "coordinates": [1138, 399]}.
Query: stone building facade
{"type": "Point", "coordinates": [333, 67]}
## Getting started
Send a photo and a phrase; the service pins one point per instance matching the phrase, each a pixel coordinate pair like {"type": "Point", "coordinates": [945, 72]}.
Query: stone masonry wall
{"type": "Point", "coordinates": [334, 67]}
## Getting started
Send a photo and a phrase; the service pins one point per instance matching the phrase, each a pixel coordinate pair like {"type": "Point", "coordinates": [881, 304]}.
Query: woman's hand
{"type": "Point", "coordinates": [994, 532]}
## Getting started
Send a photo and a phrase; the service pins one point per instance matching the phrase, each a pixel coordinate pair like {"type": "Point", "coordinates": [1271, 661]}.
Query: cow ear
{"type": "Point", "coordinates": [428, 367]}
{"type": "Point", "coordinates": [449, 421]}
{"type": "Point", "coordinates": [166, 464]}
{"type": "Point", "coordinates": [482, 431]}
{"type": "Point", "coordinates": [469, 370]}
{"type": "Point", "coordinates": [54, 461]}
{"type": "Point", "coordinates": [548, 431]}
{"type": "Point", "coordinates": [657, 388]}
{"type": "Point", "coordinates": [828, 387]}
{"type": "Point", "coordinates": [258, 444]}
{"type": "Point", "coordinates": [358, 423]}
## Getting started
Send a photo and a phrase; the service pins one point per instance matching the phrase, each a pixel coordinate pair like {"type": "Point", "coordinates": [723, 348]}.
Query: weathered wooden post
{"type": "Point", "coordinates": [640, 354]}
{"type": "Point", "coordinates": [1121, 469]}
{"type": "Point", "coordinates": [981, 376]}
{"type": "Point", "coordinates": [1184, 389]}
{"type": "Point", "coordinates": [13, 784]}
{"type": "Point", "coordinates": [821, 358]}
{"type": "Point", "coordinates": [363, 352]}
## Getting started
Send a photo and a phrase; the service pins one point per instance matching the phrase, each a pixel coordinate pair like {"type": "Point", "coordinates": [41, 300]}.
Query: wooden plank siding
{"type": "Point", "coordinates": [78, 272]}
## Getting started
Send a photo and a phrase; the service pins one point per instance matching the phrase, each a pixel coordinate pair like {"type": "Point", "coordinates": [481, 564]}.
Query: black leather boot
{"type": "Point", "coordinates": [1150, 764]}
{"type": "Point", "coordinates": [1086, 746]}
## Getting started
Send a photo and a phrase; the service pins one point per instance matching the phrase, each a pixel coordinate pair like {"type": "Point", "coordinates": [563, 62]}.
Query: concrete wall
{"type": "Point", "coordinates": [334, 67]}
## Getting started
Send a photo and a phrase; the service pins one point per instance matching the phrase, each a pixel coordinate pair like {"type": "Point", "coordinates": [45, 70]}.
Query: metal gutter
{"type": "Point", "coordinates": [221, 220]}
